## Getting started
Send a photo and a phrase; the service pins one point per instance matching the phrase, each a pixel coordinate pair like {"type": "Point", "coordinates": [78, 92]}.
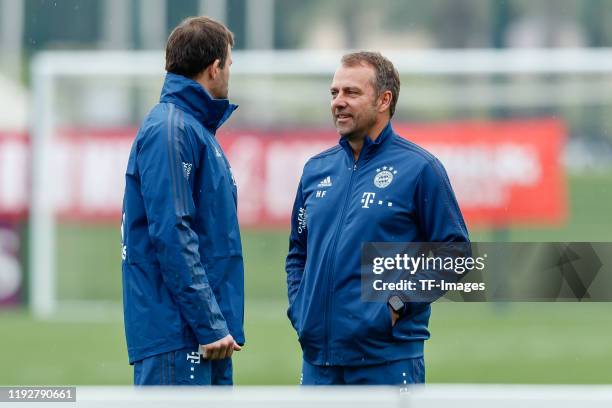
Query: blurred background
{"type": "Point", "coordinates": [514, 96]}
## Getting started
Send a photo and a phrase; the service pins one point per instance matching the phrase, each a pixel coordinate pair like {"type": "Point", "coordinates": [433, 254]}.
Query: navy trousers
{"type": "Point", "coordinates": [401, 372]}
{"type": "Point", "coordinates": [182, 367]}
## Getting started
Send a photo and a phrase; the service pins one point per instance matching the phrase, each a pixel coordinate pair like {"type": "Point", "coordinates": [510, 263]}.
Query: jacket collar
{"type": "Point", "coordinates": [191, 97]}
{"type": "Point", "coordinates": [370, 147]}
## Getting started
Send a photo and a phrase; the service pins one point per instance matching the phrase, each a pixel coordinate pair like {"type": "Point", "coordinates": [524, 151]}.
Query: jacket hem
{"type": "Point", "coordinates": [394, 352]}
{"type": "Point", "coordinates": [142, 353]}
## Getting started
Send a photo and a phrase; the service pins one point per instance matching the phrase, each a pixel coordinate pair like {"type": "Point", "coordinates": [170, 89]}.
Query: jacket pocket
{"type": "Point", "coordinates": [376, 322]}
{"type": "Point", "coordinates": [295, 310]}
{"type": "Point", "coordinates": [413, 324]}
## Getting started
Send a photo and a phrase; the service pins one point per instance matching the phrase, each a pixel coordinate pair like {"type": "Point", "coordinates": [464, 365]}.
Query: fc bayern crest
{"type": "Point", "coordinates": [384, 177]}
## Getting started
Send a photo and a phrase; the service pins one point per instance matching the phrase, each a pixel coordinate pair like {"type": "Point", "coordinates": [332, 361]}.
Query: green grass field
{"type": "Point", "coordinates": [489, 343]}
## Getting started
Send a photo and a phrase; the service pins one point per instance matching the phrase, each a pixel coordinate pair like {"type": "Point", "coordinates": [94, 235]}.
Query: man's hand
{"type": "Point", "coordinates": [394, 317]}
{"type": "Point", "coordinates": [220, 349]}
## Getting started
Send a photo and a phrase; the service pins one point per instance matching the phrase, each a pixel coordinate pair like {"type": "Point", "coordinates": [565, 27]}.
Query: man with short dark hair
{"type": "Point", "coordinates": [374, 186]}
{"type": "Point", "coordinates": [183, 277]}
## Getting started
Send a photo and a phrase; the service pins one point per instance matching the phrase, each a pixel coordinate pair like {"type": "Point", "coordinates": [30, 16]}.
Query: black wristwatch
{"type": "Point", "coordinates": [397, 304]}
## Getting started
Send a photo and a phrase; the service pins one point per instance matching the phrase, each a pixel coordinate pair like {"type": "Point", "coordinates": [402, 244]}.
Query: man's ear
{"type": "Point", "coordinates": [385, 101]}
{"type": "Point", "coordinates": [214, 69]}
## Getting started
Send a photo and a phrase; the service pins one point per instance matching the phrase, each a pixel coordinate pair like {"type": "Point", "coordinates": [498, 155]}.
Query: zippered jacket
{"type": "Point", "coordinates": [395, 192]}
{"type": "Point", "coordinates": [183, 275]}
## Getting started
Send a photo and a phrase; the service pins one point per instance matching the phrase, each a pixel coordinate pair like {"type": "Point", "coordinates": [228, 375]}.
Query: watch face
{"type": "Point", "coordinates": [396, 303]}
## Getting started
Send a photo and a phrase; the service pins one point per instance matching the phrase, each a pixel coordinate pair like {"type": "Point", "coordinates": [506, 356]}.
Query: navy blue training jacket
{"type": "Point", "coordinates": [395, 192]}
{"type": "Point", "coordinates": [183, 275]}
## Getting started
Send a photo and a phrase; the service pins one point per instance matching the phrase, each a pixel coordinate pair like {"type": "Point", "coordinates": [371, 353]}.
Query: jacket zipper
{"type": "Point", "coordinates": [332, 263]}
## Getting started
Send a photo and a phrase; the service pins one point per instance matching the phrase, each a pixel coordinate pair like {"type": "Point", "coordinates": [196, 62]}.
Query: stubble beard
{"type": "Point", "coordinates": [221, 92]}
{"type": "Point", "coordinates": [357, 133]}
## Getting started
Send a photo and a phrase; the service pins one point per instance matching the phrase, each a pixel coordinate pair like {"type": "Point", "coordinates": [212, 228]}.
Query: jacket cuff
{"type": "Point", "coordinates": [212, 336]}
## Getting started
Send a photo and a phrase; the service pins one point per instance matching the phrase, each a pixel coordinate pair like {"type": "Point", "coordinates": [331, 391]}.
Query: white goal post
{"type": "Point", "coordinates": [48, 67]}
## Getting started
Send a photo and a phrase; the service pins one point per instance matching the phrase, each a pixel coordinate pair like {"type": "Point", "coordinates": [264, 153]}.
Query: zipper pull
{"type": "Point", "coordinates": [354, 166]}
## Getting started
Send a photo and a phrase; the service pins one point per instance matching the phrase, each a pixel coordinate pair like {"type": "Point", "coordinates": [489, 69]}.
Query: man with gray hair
{"type": "Point", "coordinates": [374, 186]}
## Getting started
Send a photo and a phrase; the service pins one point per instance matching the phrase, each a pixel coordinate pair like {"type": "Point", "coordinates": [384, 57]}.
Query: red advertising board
{"type": "Point", "coordinates": [11, 272]}
{"type": "Point", "coordinates": [14, 175]}
{"type": "Point", "coordinates": [503, 172]}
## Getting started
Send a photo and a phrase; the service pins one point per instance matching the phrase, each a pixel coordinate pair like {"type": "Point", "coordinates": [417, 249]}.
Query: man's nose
{"type": "Point", "coordinates": [338, 102]}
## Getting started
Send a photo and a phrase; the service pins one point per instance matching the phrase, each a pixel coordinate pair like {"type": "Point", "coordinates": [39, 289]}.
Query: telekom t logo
{"type": "Point", "coordinates": [367, 199]}
{"type": "Point", "coordinates": [193, 357]}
